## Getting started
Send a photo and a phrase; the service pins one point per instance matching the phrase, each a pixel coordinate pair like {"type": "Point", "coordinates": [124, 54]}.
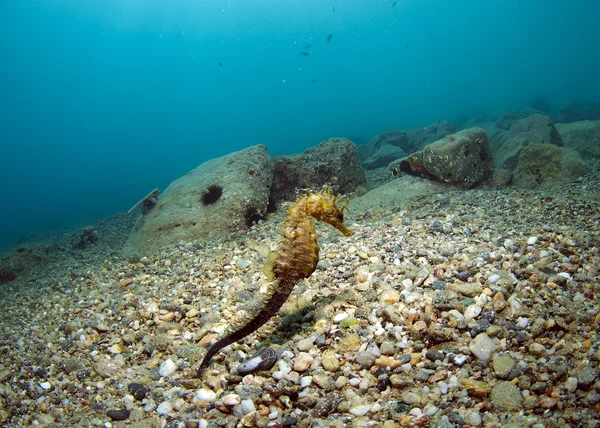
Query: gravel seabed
{"type": "Point", "coordinates": [465, 308]}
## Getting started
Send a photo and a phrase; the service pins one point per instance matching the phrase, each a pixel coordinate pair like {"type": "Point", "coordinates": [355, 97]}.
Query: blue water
{"type": "Point", "coordinates": [103, 100]}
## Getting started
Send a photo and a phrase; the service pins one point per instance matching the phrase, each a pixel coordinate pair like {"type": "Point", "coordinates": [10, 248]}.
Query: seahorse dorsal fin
{"type": "Point", "coordinates": [268, 266]}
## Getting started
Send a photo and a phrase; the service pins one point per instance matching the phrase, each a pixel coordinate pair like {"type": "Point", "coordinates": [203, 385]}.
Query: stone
{"type": "Point", "coordinates": [533, 130]}
{"type": "Point", "coordinates": [464, 158]}
{"type": "Point", "coordinates": [220, 196]}
{"type": "Point", "coordinates": [383, 156]}
{"type": "Point", "coordinates": [506, 397]}
{"type": "Point", "coordinates": [21, 260]}
{"type": "Point", "coordinates": [365, 359]}
{"type": "Point", "coordinates": [333, 162]}
{"type": "Point", "coordinates": [544, 164]}
{"type": "Point", "coordinates": [582, 136]}
{"type": "Point", "coordinates": [482, 347]}
{"type": "Point", "coordinates": [503, 365]}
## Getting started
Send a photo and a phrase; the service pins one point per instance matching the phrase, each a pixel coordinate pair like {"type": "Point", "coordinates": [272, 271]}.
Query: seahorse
{"type": "Point", "coordinates": [295, 258]}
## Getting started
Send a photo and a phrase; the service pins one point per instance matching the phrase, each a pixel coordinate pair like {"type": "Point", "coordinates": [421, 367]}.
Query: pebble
{"type": "Point", "coordinates": [361, 409]}
{"type": "Point", "coordinates": [305, 344]}
{"type": "Point", "coordinates": [330, 361]}
{"type": "Point", "coordinates": [506, 397]}
{"type": "Point", "coordinates": [118, 414]}
{"type": "Point", "coordinates": [242, 264]}
{"type": "Point", "coordinates": [503, 365]}
{"type": "Point", "coordinates": [247, 406]}
{"type": "Point", "coordinates": [537, 350]}
{"type": "Point", "coordinates": [482, 347]}
{"type": "Point", "coordinates": [231, 400]}
{"type": "Point", "coordinates": [571, 384]}
{"type": "Point", "coordinates": [365, 359]}
{"type": "Point", "coordinates": [46, 385]}
{"type": "Point", "coordinates": [164, 408]}
{"type": "Point", "coordinates": [532, 240]}
{"type": "Point", "coordinates": [302, 362]}
{"type": "Point", "coordinates": [138, 390]}
{"type": "Point", "coordinates": [167, 368]}
{"type": "Point", "coordinates": [206, 395]}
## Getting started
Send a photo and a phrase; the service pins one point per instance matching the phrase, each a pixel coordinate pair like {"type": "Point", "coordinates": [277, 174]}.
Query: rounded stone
{"type": "Point", "coordinates": [506, 397]}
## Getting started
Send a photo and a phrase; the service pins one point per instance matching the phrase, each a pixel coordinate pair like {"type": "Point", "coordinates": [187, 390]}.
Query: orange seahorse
{"type": "Point", "coordinates": [296, 258]}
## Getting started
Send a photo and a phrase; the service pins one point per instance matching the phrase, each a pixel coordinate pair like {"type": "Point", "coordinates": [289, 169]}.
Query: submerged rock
{"type": "Point", "coordinates": [218, 197]}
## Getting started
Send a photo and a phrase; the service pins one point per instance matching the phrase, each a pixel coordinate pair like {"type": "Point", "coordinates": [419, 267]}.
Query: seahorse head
{"type": "Point", "coordinates": [325, 207]}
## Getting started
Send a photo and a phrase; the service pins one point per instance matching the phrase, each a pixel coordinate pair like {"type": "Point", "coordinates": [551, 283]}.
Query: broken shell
{"type": "Point", "coordinates": [262, 360]}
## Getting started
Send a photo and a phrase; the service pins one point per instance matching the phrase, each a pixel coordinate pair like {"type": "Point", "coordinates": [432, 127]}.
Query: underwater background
{"type": "Point", "coordinates": [102, 101]}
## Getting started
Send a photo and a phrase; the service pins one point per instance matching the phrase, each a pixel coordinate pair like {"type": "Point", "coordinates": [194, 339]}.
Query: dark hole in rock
{"type": "Point", "coordinates": [252, 216]}
{"type": "Point", "coordinates": [271, 205]}
{"type": "Point", "coordinates": [212, 194]}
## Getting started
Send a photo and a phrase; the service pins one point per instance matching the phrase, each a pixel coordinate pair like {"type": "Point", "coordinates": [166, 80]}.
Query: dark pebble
{"type": "Point", "coordinates": [82, 374]}
{"type": "Point", "coordinates": [289, 421]}
{"type": "Point", "coordinates": [43, 373]}
{"type": "Point", "coordinates": [438, 285]}
{"type": "Point", "coordinates": [405, 358]}
{"type": "Point", "coordinates": [434, 356]}
{"type": "Point", "coordinates": [138, 390]}
{"type": "Point", "coordinates": [118, 414]}
{"type": "Point", "coordinates": [464, 276]}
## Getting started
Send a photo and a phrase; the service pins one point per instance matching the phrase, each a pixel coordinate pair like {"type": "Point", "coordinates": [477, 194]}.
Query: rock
{"type": "Point", "coordinates": [383, 156]}
{"type": "Point", "coordinates": [470, 289]}
{"type": "Point", "coordinates": [482, 347]}
{"type": "Point", "coordinates": [464, 158]}
{"type": "Point", "coordinates": [204, 394]}
{"type": "Point", "coordinates": [503, 365]}
{"type": "Point", "coordinates": [20, 261]}
{"type": "Point", "coordinates": [365, 359]}
{"type": "Point", "coordinates": [138, 390]}
{"type": "Point", "coordinates": [507, 120]}
{"type": "Point", "coordinates": [506, 397]}
{"type": "Point", "coordinates": [215, 199]}
{"type": "Point", "coordinates": [164, 408]}
{"type": "Point", "coordinates": [544, 164]}
{"type": "Point", "coordinates": [582, 136]}
{"type": "Point", "coordinates": [577, 111]}
{"type": "Point", "coordinates": [330, 361]}
{"type": "Point", "coordinates": [536, 129]}
{"type": "Point", "coordinates": [585, 374]}
{"type": "Point", "coordinates": [423, 135]}
{"type": "Point", "coordinates": [167, 368]}
{"type": "Point", "coordinates": [118, 414]}
{"type": "Point", "coordinates": [302, 361]}
{"type": "Point", "coordinates": [334, 161]}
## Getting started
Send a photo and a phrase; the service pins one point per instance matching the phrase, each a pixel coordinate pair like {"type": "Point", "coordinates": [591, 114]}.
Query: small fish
{"type": "Point", "coordinates": [220, 64]}
{"type": "Point", "coordinates": [333, 8]}
{"type": "Point", "coordinates": [304, 54]}
{"type": "Point", "coordinates": [329, 38]}
{"type": "Point", "coordinates": [307, 47]}
{"type": "Point", "coordinates": [394, 4]}
{"type": "Point", "coordinates": [314, 81]}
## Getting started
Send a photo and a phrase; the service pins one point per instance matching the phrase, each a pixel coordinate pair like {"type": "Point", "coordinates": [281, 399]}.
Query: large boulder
{"type": "Point", "coordinates": [423, 135]}
{"type": "Point", "coordinates": [20, 261]}
{"type": "Point", "coordinates": [383, 156]}
{"type": "Point", "coordinates": [543, 164]}
{"type": "Point", "coordinates": [507, 120]}
{"type": "Point", "coordinates": [535, 129]}
{"type": "Point", "coordinates": [582, 136]}
{"type": "Point", "coordinates": [218, 197]}
{"type": "Point", "coordinates": [576, 111]}
{"type": "Point", "coordinates": [334, 162]}
{"type": "Point", "coordinates": [464, 158]}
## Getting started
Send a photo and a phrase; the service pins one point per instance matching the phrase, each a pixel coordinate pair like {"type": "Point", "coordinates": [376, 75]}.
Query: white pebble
{"type": "Point", "coordinates": [532, 240]}
{"type": "Point", "coordinates": [274, 415]}
{"type": "Point", "coordinates": [354, 381]}
{"type": "Point", "coordinates": [571, 384]}
{"type": "Point", "coordinates": [305, 381]}
{"type": "Point", "coordinates": [493, 278]}
{"type": "Point", "coordinates": [456, 314]}
{"type": "Point", "coordinates": [303, 362]}
{"type": "Point", "coordinates": [360, 410]}
{"type": "Point", "coordinates": [128, 401]}
{"type": "Point", "coordinates": [443, 386]}
{"type": "Point", "coordinates": [430, 409]}
{"type": "Point", "coordinates": [364, 384]}
{"type": "Point", "coordinates": [579, 298]}
{"type": "Point", "coordinates": [46, 385]}
{"type": "Point", "coordinates": [472, 417]}
{"type": "Point", "coordinates": [284, 367]}
{"type": "Point", "coordinates": [340, 316]}
{"type": "Point", "coordinates": [522, 323]}
{"type": "Point", "coordinates": [202, 423]}
{"type": "Point", "coordinates": [472, 311]}
{"type": "Point", "coordinates": [164, 408]}
{"type": "Point", "coordinates": [167, 368]}
{"type": "Point", "coordinates": [247, 406]}
{"type": "Point", "coordinates": [231, 399]}
{"type": "Point", "coordinates": [482, 347]}
{"type": "Point", "coordinates": [206, 395]}
{"type": "Point", "coordinates": [305, 344]}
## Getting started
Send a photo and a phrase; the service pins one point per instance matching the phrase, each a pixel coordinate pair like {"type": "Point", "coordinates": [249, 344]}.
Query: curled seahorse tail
{"type": "Point", "coordinates": [270, 308]}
